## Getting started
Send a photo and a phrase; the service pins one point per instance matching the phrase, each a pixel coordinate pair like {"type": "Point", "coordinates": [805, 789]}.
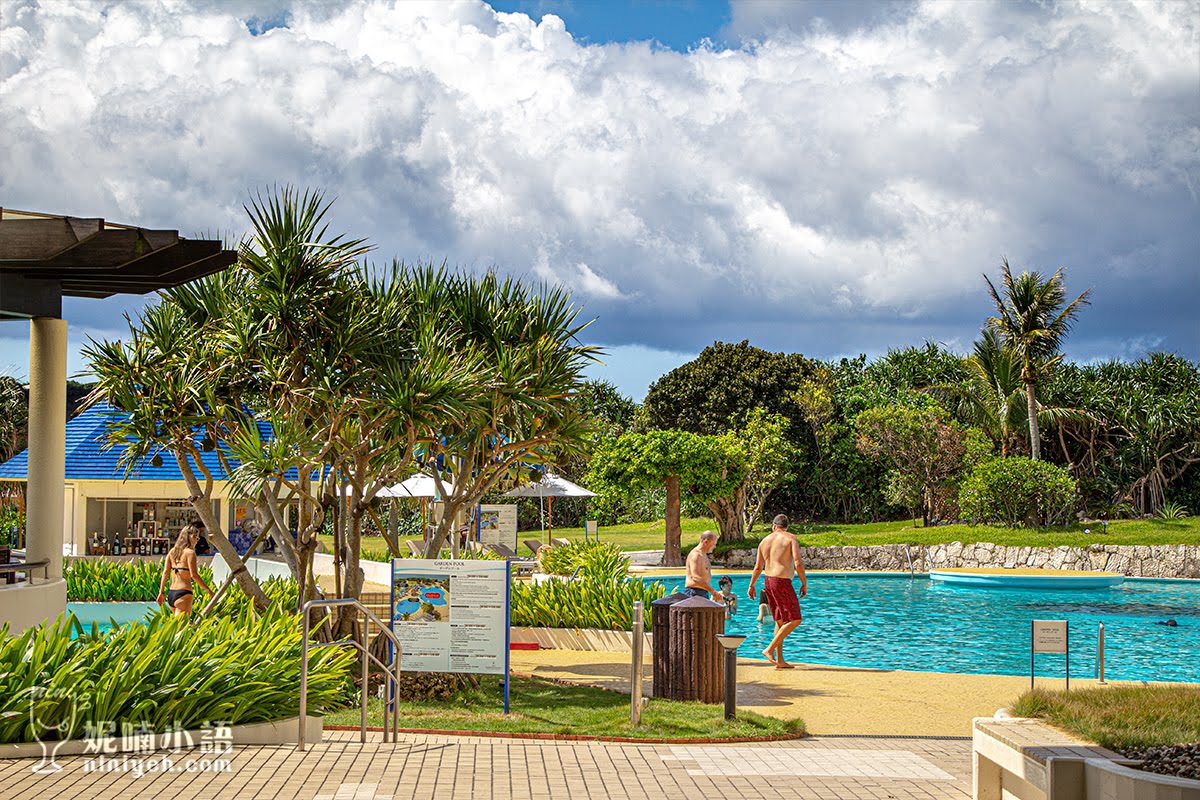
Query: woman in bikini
{"type": "Point", "coordinates": [180, 567]}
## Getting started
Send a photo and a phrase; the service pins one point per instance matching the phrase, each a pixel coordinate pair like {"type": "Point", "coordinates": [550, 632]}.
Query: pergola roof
{"type": "Point", "coordinates": [44, 257]}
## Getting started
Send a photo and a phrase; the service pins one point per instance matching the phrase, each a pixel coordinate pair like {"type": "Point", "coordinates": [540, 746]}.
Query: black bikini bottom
{"type": "Point", "coordinates": [175, 594]}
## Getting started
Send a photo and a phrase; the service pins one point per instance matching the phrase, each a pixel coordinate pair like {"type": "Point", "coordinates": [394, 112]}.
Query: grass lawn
{"type": "Point", "coordinates": [544, 707]}
{"type": "Point", "coordinates": [1120, 717]}
{"type": "Point", "coordinates": [649, 535]}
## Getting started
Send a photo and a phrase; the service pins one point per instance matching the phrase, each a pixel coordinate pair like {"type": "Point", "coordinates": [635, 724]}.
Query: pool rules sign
{"type": "Point", "coordinates": [1050, 636]}
{"type": "Point", "coordinates": [451, 616]}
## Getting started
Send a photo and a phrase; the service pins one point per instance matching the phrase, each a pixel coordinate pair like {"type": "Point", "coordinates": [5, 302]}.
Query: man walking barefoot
{"type": "Point", "coordinates": [779, 558]}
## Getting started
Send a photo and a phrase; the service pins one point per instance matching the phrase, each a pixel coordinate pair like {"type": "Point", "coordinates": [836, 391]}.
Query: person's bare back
{"type": "Point", "coordinates": [780, 552]}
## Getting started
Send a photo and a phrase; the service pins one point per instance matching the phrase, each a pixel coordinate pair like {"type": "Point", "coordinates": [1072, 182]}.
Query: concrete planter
{"type": "Point", "coordinates": [282, 731]}
{"type": "Point", "coordinates": [1025, 759]}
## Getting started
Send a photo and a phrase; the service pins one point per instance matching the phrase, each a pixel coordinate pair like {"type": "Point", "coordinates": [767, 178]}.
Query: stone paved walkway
{"type": "Point", "coordinates": [422, 766]}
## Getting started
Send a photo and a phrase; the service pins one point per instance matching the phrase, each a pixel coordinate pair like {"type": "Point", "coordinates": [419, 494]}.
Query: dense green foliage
{"type": "Point", "coordinates": [12, 525]}
{"type": "Point", "coordinates": [675, 459]}
{"type": "Point", "coordinates": [582, 603]}
{"type": "Point", "coordinates": [1019, 491]}
{"type": "Point", "coordinates": [93, 580]}
{"type": "Point", "coordinates": [716, 391]}
{"type": "Point", "coordinates": [600, 560]}
{"type": "Point", "coordinates": [168, 673]}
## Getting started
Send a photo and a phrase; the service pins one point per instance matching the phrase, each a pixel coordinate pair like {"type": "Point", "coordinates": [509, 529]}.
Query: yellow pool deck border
{"type": "Point", "coordinates": [842, 701]}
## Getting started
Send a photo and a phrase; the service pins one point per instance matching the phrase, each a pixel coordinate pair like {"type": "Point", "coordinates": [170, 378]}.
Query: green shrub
{"type": "Point", "coordinates": [600, 560]}
{"type": "Point", "coordinates": [167, 673]}
{"type": "Point", "coordinates": [116, 581]}
{"type": "Point", "coordinates": [1171, 511]}
{"type": "Point", "coordinates": [1018, 491]}
{"type": "Point", "coordinates": [582, 603]}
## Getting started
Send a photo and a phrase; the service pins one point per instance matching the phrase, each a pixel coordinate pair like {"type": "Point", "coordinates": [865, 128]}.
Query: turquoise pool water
{"type": "Point", "coordinates": [104, 614]}
{"type": "Point", "coordinates": [887, 622]}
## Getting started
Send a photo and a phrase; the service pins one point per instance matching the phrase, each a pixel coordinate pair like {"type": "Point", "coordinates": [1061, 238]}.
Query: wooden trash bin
{"type": "Point", "coordinates": [660, 634]}
{"type": "Point", "coordinates": [697, 660]}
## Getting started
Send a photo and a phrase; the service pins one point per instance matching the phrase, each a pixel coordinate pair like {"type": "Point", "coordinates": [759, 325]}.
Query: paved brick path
{"type": "Point", "coordinates": [514, 769]}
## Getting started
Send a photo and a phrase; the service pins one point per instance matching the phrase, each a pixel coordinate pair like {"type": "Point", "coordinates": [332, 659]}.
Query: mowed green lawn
{"type": "Point", "coordinates": [649, 535]}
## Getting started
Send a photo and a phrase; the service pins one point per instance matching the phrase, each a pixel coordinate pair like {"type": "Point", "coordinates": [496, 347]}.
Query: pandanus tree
{"type": "Point", "coordinates": [1033, 319]}
{"type": "Point", "coordinates": [318, 380]}
{"type": "Point", "coordinates": [521, 345]}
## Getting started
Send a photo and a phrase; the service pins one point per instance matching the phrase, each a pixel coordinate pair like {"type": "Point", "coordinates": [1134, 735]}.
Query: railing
{"type": "Point", "coordinates": [11, 569]}
{"type": "Point", "coordinates": [392, 671]}
{"type": "Point", "coordinates": [1100, 656]}
{"type": "Point", "coordinates": [908, 555]}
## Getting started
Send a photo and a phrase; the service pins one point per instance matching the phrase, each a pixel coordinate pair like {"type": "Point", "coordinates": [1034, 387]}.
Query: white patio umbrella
{"type": "Point", "coordinates": [419, 485]}
{"type": "Point", "coordinates": [422, 487]}
{"type": "Point", "coordinates": [547, 488]}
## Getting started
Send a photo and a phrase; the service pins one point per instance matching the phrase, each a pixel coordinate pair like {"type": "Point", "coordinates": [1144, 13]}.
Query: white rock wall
{"type": "Point", "coordinates": [1139, 561]}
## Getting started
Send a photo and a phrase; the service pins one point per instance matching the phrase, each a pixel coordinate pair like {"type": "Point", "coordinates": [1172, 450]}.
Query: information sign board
{"type": "Point", "coordinates": [451, 616]}
{"type": "Point", "coordinates": [498, 525]}
{"type": "Point", "coordinates": [1049, 636]}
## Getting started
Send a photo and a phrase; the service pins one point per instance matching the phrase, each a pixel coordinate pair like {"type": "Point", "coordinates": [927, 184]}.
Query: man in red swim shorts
{"type": "Point", "coordinates": [779, 558]}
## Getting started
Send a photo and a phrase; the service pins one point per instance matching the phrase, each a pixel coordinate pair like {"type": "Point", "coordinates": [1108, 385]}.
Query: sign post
{"type": "Point", "coordinates": [1050, 636]}
{"type": "Point", "coordinates": [452, 616]}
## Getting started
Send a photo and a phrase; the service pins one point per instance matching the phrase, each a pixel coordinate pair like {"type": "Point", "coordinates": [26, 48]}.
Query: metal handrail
{"type": "Point", "coordinates": [27, 566]}
{"type": "Point", "coordinates": [392, 671]}
{"type": "Point", "coordinates": [908, 555]}
{"type": "Point", "coordinates": [1100, 657]}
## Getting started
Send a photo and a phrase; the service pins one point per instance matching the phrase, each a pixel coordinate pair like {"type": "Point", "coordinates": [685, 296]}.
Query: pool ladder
{"type": "Point", "coordinates": [391, 671]}
{"type": "Point", "coordinates": [1100, 657]}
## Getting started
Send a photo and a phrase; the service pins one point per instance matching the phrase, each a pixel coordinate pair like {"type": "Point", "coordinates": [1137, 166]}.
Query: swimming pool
{"type": "Point", "coordinates": [903, 623]}
{"type": "Point", "coordinates": [104, 614]}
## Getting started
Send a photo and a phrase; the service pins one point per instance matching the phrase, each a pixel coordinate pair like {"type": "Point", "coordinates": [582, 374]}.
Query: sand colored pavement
{"type": "Point", "coordinates": [830, 700]}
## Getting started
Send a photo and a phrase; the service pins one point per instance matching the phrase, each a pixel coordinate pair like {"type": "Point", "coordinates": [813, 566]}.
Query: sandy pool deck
{"type": "Point", "coordinates": [830, 700]}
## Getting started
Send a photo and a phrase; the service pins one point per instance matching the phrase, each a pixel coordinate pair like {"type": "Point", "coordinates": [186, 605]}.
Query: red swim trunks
{"type": "Point", "coordinates": [785, 606]}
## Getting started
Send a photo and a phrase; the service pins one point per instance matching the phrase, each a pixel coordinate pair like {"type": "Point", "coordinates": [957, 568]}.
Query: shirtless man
{"type": "Point", "coordinates": [779, 558]}
{"type": "Point", "coordinates": [699, 571]}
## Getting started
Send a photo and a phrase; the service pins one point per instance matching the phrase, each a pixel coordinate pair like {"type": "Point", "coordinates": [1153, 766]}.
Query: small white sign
{"type": "Point", "coordinates": [498, 525]}
{"type": "Point", "coordinates": [1049, 636]}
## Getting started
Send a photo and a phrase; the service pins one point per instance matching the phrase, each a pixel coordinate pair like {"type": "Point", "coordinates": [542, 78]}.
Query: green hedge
{"type": "Point", "coordinates": [600, 560]}
{"type": "Point", "coordinates": [1018, 491]}
{"type": "Point", "coordinates": [116, 581]}
{"type": "Point", "coordinates": [582, 603]}
{"type": "Point", "coordinates": [166, 673]}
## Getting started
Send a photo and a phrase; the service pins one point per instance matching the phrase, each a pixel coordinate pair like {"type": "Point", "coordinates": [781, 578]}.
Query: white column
{"type": "Point", "coordinates": [47, 441]}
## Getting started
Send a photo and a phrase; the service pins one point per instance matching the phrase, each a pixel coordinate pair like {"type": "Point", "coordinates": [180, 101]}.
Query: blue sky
{"type": "Point", "coordinates": [677, 24]}
{"type": "Point", "coordinates": [822, 177]}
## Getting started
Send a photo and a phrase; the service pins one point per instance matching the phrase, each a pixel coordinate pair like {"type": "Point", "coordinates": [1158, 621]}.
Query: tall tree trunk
{"type": "Point", "coordinates": [216, 534]}
{"type": "Point", "coordinates": [672, 550]}
{"type": "Point", "coordinates": [1035, 436]}
{"type": "Point", "coordinates": [730, 514]}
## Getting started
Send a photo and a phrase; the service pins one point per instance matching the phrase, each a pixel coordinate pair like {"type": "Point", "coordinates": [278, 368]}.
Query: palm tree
{"type": "Point", "coordinates": [992, 398]}
{"type": "Point", "coordinates": [1033, 322]}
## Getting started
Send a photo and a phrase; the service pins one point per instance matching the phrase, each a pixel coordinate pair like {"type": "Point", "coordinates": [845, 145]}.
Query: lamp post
{"type": "Point", "coordinates": [731, 643]}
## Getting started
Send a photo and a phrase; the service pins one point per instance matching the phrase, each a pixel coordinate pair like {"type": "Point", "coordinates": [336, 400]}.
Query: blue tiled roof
{"type": "Point", "coordinates": [87, 460]}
